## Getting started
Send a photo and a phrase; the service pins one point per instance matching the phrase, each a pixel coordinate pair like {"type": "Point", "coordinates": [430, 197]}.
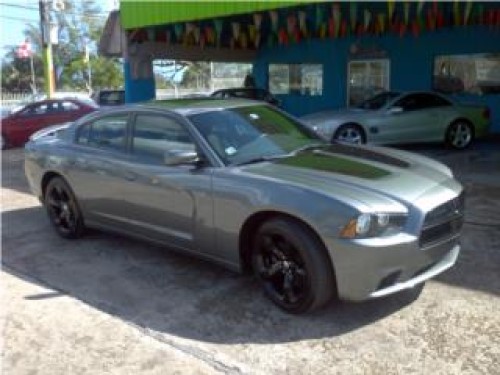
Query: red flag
{"type": "Point", "coordinates": [24, 50]}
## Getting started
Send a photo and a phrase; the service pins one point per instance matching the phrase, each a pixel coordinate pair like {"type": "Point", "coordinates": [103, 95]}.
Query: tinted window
{"type": "Point", "coordinates": [69, 106]}
{"type": "Point", "coordinates": [153, 135]}
{"type": "Point", "coordinates": [421, 101]}
{"type": "Point", "coordinates": [107, 133]}
{"type": "Point", "coordinates": [409, 102]}
{"type": "Point", "coordinates": [437, 101]}
{"type": "Point", "coordinates": [378, 101]}
{"type": "Point", "coordinates": [83, 133]}
{"type": "Point", "coordinates": [36, 109]}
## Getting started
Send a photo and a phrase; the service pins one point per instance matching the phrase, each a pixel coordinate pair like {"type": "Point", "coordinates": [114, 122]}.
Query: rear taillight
{"type": "Point", "coordinates": [486, 113]}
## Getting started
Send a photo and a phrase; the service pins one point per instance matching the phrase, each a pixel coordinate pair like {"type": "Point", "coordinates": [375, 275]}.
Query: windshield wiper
{"type": "Point", "coordinates": [308, 147]}
{"type": "Point", "coordinates": [260, 159]}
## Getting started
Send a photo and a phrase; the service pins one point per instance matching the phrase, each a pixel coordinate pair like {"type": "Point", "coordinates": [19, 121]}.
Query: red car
{"type": "Point", "coordinates": [17, 128]}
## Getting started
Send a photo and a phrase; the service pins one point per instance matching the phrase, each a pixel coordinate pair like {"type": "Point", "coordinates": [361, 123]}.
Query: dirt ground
{"type": "Point", "coordinates": [110, 305]}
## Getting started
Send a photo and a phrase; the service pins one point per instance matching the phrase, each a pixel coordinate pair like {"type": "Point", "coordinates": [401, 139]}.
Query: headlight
{"type": "Point", "coordinates": [374, 225]}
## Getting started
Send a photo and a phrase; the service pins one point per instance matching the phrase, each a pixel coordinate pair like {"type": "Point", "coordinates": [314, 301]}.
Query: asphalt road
{"type": "Point", "coordinates": [108, 304]}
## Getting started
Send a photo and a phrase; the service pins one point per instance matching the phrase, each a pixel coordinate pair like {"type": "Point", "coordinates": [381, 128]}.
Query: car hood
{"type": "Point", "coordinates": [367, 177]}
{"type": "Point", "coordinates": [328, 116]}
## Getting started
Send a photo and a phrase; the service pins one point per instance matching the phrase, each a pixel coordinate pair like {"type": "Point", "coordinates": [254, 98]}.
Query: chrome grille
{"type": "Point", "coordinates": [443, 222]}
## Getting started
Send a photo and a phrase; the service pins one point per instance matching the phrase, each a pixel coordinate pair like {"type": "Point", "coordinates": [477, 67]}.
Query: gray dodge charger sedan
{"type": "Point", "coordinates": [245, 185]}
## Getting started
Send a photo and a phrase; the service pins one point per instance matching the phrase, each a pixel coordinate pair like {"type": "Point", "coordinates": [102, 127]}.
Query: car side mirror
{"type": "Point", "coordinates": [395, 110]}
{"type": "Point", "coordinates": [179, 157]}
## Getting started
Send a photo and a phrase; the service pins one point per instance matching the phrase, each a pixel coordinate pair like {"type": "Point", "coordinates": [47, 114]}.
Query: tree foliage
{"type": "Point", "coordinates": [80, 26]}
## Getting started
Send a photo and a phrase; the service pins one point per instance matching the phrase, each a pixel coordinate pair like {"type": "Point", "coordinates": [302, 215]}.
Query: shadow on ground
{"type": "Point", "coordinates": [13, 171]}
{"type": "Point", "coordinates": [160, 290]}
{"type": "Point", "coordinates": [151, 287]}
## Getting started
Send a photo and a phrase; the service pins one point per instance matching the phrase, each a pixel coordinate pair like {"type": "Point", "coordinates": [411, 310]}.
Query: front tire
{"type": "Point", "coordinates": [63, 210]}
{"type": "Point", "coordinates": [292, 266]}
{"type": "Point", "coordinates": [459, 134]}
{"type": "Point", "coordinates": [350, 133]}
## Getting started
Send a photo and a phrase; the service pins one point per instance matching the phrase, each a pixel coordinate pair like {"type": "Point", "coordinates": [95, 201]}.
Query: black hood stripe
{"type": "Point", "coordinates": [363, 153]}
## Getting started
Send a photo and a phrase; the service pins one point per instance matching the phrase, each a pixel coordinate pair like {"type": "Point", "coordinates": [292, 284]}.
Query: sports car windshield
{"type": "Point", "coordinates": [253, 133]}
{"type": "Point", "coordinates": [378, 101]}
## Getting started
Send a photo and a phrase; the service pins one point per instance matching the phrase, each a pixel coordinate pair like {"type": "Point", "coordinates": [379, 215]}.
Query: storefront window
{"type": "Point", "coordinates": [472, 74]}
{"type": "Point", "coordinates": [299, 79]}
{"type": "Point", "coordinates": [367, 78]}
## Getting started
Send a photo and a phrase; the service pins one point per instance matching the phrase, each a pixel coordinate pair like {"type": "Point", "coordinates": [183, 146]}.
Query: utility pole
{"type": "Point", "coordinates": [48, 66]}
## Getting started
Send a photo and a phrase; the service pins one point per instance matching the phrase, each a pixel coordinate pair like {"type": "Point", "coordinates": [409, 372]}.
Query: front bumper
{"type": "Point", "coordinates": [374, 268]}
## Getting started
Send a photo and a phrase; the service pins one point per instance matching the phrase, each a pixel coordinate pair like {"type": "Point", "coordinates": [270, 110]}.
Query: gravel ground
{"type": "Point", "coordinates": [107, 304]}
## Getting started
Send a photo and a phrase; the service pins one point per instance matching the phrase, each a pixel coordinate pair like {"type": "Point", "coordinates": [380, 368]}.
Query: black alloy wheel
{"type": "Point", "coordinates": [63, 209]}
{"type": "Point", "coordinates": [292, 266]}
{"type": "Point", "coordinates": [350, 133]}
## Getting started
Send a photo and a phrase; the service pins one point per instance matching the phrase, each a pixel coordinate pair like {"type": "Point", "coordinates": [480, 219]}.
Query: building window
{"type": "Point", "coordinates": [472, 74]}
{"type": "Point", "coordinates": [367, 78]}
{"type": "Point", "coordinates": [298, 79]}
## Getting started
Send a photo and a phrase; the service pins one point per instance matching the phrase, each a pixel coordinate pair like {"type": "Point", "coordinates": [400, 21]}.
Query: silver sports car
{"type": "Point", "coordinates": [247, 186]}
{"type": "Point", "coordinates": [393, 117]}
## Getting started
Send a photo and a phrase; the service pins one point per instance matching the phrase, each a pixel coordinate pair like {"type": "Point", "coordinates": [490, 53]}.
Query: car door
{"type": "Point", "coordinates": [28, 121]}
{"type": "Point", "coordinates": [171, 204]}
{"type": "Point", "coordinates": [406, 120]}
{"type": "Point", "coordinates": [95, 174]}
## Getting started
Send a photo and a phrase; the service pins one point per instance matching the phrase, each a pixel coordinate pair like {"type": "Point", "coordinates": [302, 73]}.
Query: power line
{"type": "Point", "coordinates": [93, 15]}
{"type": "Point", "coordinates": [19, 6]}
{"type": "Point", "coordinates": [19, 18]}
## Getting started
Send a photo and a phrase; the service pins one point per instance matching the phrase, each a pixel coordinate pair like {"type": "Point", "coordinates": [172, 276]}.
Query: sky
{"type": "Point", "coordinates": [16, 14]}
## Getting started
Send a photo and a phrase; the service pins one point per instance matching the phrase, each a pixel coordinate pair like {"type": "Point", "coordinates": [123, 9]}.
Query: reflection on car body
{"type": "Point", "coordinates": [249, 187]}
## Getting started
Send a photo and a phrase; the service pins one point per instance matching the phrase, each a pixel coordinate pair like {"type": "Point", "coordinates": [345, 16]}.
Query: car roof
{"type": "Point", "coordinates": [189, 106]}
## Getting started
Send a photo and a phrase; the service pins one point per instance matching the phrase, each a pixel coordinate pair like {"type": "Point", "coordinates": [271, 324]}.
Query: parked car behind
{"type": "Point", "coordinates": [394, 117]}
{"type": "Point", "coordinates": [18, 126]}
{"type": "Point", "coordinates": [106, 98]}
{"type": "Point", "coordinates": [246, 93]}
{"type": "Point", "coordinates": [245, 185]}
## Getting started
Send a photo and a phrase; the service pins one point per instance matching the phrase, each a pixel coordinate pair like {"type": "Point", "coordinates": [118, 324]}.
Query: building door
{"type": "Point", "coordinates": [365, 79]}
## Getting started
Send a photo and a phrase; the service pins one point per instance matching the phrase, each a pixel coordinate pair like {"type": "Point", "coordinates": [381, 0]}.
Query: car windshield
{"type": "Point", "coordinates": [378, 101]}
{"type": "Point", "coordinates": [252, 133]}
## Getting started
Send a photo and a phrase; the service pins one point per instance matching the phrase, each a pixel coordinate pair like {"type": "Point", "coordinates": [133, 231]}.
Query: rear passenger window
{"type": "Point", "coordinates": [154, 135]}
{"type": "Point", "coordinates": [105, 133]}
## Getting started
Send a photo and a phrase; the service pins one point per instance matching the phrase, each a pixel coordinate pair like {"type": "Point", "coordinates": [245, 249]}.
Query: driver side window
{"type": "Point", "coordinates": [408, 103]}
{"type": "Point", "coordinates": [154, 135]}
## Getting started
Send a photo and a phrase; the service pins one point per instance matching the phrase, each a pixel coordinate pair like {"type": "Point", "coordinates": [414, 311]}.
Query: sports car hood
{"type": "Point", "coordinates": [372, 176]}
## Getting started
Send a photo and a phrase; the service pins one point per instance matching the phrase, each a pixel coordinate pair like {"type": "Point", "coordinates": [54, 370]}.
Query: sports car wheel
{"type": "Point", "coordinates": [63, 209]}
{"type": "Point", "coordinates": [4, 142]}
{"type": "Point", "coordinates": [292, 266]}
{"type": "Point", "coordinates": [459, 134]}
{"type": "Point", "coordinates": [350, 133]}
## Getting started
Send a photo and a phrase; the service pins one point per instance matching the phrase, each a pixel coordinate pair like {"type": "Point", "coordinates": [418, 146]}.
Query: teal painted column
{"type": "Point", "coordinates": [138, 89]}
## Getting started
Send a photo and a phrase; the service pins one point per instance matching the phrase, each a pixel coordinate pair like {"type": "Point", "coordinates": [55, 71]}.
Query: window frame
{"type": "Point", "coordinates": [294, 67]}
{"type": "Point", "coordinates": [90, 122]}
{"type": "Point", "coordinates": [367, 62]}
{"type": "Point", "coordinates": [133, 122]}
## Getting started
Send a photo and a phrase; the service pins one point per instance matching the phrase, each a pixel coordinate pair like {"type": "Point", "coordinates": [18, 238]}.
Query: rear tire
{"type": "Point", "coordinates": [350, 133]}
{"type": "Point", "coordinates": [459, 134]}
{"type": "Point", "coordinates": [292, 266]}
{"type": "Point", "coordinates": [63, 210]}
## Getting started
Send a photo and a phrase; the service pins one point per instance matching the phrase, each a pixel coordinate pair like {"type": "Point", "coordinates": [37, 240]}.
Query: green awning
{"type": "Point", "coordinates": [136, 13]}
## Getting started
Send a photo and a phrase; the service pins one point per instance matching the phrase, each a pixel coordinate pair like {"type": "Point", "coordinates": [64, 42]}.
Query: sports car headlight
{"type": "Point", "coordinates": [374, 225]}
